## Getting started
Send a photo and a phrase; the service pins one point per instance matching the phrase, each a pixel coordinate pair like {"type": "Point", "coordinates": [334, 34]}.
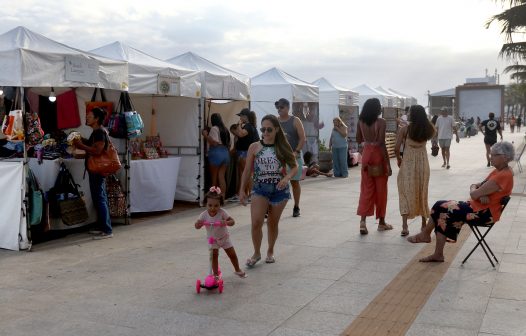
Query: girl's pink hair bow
{"type": "Point", "coordinates": [215, 189]}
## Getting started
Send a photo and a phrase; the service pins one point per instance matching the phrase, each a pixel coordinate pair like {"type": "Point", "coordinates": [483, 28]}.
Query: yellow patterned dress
{"type": "Point", "coordinates": [413, 180]}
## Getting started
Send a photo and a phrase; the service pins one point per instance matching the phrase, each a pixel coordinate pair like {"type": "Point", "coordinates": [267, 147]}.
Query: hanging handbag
{"type": "Point", "coordinates": [117, 127]}
{"type": "Point", "coordinates": [107, 162]}
{"type": "Point", "coordinates": [14, 126]}
{"type": "Point", "coordinates": [68, 110]}
{"type": "Point", "coordinates": [105, 105]}
{"type": "Point", "coordinates": [35, 199]}
{"type": "Point", "coordinates": [116, 197]}
{"type": "Point", "coordinates": [134, 123]}
{"type": "Point", "coordinates": [66, 200]}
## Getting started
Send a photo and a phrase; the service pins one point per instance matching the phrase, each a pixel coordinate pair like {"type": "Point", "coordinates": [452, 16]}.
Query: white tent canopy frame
{"type": "Point", "coordinates": [28, 59]}
{"type": "Point", "coordinates": [331, 98]}
{"type": "Point", "coordinates": [223, 91]}
{"type": "Point", "coordinates": [398, 100]}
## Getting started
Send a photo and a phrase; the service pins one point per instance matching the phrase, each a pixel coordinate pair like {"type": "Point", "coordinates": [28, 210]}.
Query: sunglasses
{"type": "Point", "coordinates": [266, 129]}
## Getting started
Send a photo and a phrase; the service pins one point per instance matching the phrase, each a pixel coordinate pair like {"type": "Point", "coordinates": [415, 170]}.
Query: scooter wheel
{"type": "Point", "coordinates": [220, 286]}
{"type": "Point", "coordinates": [198, 286]}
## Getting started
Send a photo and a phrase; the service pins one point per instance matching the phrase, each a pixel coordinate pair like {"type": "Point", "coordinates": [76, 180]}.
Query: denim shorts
{"type": "Point", "coordinates": [271, 192]}
{"type": "Point", "coordinates": [242, 154]}
{"type": "Point", "coordinates": [218, 155]}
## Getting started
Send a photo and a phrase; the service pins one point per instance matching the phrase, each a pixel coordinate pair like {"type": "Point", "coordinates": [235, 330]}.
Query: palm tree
{"type": "Point", "coordinates": [513, 22]}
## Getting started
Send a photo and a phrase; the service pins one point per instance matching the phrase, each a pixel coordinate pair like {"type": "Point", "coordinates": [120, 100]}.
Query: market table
{"type": "Point", "coordinates": [153, 184]}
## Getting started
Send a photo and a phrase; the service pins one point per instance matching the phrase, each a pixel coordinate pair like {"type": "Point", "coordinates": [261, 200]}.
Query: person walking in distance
{"type": "Point", "coordinates": [489, 128]}
{"type": "Point", "coordinates": [445, 129]}
{"type": "Point", "coordinates": [295, 134]}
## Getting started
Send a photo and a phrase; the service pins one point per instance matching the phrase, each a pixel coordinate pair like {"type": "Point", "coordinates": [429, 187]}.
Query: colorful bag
{"type": "Point", "coordinates": [14, 129]}
{"type": "Point", "coordinates": [134, 123]}
{"type": "Point", "coordinates": [68, 110]}
{"type": "Point", "coordinates": [105, 105]}
{"type": "Point", "coordinates": [35, 199]}
{"type": "Point", "coordinates": [116, 197]}
{"type": "Point", "coordinates": [106, 163]}
{"type": "Point", "coordinates": [35, 133]}
{"type": "Point", "coordinates": [117, 127]}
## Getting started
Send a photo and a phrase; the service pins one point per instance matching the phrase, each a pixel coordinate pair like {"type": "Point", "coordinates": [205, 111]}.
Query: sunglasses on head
{"type": "Point", "coordinates": [266, 129]}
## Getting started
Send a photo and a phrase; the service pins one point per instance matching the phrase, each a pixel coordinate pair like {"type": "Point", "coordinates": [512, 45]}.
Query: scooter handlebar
{"type": "Point", "coordinates": [216, 223]}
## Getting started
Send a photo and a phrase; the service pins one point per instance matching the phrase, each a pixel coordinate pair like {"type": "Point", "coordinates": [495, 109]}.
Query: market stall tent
{"type": "Point", "coordinates": [408, 99]}
{"type": "Point", "coordinates": [28, 59]}
{"type": "Point", "coordinates": [223, 91]}
{"type": "Point", "coordinates": [398, 101]}
{"type": "Point", "coordinates": [332, 97]}
{"type": "Point", "coordinates": [367, 92]}
{"type": "Point", "coordinates": [274, 84]}
{"type": "Point", "coordinates": [174, 93]}
{"type": "Point", "coordinates": [217, 81]}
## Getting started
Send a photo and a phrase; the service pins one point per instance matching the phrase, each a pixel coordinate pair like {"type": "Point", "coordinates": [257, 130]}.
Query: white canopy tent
{"type": "Point", "coordinates": [408, 100]}
{"type": "Point", "coordinates": [331, 98]}
{"type": "Point", "coordinates": [398, 100]}
{"type": "Point", "coordinates": [274, 84]}
{"type": "Point", "coordinates": [367, 92]}
{"type": "Point", "coordinates": [28, 59]}
{"type": "Point", "coordinates": [174, 92]}
{"type": "Point", "coordinates": [217, 82]}
{"type": "Point", "coordinates": [223, 91]}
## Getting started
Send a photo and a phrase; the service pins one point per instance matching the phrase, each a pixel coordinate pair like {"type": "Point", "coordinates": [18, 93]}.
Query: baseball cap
{"type": "Point", "coordinates": [244, 112]}
{"type": "Point", "coordinates": [282, 102]}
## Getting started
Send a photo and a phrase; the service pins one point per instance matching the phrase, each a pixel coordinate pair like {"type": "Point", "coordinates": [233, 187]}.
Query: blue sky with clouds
{"type": "Point", "coordinates": [408, 45]}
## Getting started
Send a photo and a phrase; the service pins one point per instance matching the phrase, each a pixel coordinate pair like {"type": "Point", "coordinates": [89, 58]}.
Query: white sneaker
{"type": "Point", "coordinates": [103, 235]}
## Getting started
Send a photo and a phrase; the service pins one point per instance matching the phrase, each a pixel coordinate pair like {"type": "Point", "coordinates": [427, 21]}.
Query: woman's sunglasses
{"type": "Point", "coordinates": [266, 129]}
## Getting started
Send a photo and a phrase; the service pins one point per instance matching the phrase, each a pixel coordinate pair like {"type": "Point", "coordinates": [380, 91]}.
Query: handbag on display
{"type": "Point", "coordinates": [104, 104]}
{"type": "Point", "coordinates": [106, 163]}
{"type": "Point", "coordinates": [116, 197]}
{"type": "Point", "coordinates": [134, 123]}
{"type": "Point", "coordinates": [117, 127]}
{"type": "Point", "coordinates": [65, 199]}
{"type": "Point", "coordinates": [68, 110]}
{"type": "Point", "coordinates": [35, 133]}
{"type": "Point", "coordinates": [35, 199]}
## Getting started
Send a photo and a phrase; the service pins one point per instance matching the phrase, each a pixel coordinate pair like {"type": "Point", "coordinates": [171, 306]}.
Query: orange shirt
{"type": "Point", "coordinates": [504, 179]}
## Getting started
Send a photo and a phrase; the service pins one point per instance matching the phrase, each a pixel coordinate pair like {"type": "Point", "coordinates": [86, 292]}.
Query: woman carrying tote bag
{"type": "Point", "coordinates": [94, 146]}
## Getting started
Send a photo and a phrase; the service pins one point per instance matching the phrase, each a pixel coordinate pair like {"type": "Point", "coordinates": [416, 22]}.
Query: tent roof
{"type": "Point", "coordinates": [31, 59]}
{"type": "Point", "coordinates": [366, 90]}
{"type": "Point", "coordinates": [325, 85]}
{"type": "Point", "coordinates": [400, 93]}
{"type": "Point", "coordinates": [444, 93]}
{"type": "Point", "coordinates": [275, 76]}
{"type": "Point", "coordinates": [388, 92]}
{"type": "Point", "coordinates": [120, 51]}
{"type": "Point", "coordinates": [193, 61]}
{"type": "Point", "coordinates": [218, 82]}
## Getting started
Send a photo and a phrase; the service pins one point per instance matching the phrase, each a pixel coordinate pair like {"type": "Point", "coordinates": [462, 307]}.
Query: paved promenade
{"type": "Point", "coordinates": [142, 282]}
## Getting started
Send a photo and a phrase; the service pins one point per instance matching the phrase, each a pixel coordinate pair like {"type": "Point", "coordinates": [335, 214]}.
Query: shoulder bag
{"type": "Point", "coordinates": [35, 199]}
{"type": "Point", "coordinates": [107, 162]}
{"type": "Point", "coordinates": [67, 198]}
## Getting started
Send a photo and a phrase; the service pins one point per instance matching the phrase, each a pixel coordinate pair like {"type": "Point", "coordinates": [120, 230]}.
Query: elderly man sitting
{"type": "Point", "coordinates": [447, 217]}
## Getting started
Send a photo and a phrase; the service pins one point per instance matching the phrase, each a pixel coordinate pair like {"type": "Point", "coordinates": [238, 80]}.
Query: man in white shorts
{"type": "Point", "coordinates": [445, 129]}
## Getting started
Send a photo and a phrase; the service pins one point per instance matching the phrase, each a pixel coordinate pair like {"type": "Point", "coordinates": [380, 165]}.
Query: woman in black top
{"type": "Point", "coordinates": [246, 134]}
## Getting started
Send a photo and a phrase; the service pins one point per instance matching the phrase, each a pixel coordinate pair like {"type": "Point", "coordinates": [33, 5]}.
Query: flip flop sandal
{"type": "Point", "coordinates": [363, 228]}
{"type": "Point", "coordinates": [404, 233]}
{"type": "Point", "coordinates": [251, 262]}
{"type": "Point", "coordinates": [385, 227]}
{"type": "Point", "coordinates": [241, 274]}
{"type": "Point", "coordinates": [270, 260]}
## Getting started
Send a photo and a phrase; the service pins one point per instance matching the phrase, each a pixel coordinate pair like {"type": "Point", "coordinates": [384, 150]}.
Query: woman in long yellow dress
{"type": "Point", "coordinates": [413, 176]}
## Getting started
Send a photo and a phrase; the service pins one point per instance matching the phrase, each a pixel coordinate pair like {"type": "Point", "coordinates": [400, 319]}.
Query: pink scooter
{"type": "Point", "coordinates": [210, 281]}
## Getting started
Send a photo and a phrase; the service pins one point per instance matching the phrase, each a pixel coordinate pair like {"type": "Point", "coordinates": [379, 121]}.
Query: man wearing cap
{"type": "Point", "coordinates": [246, 134]}
{"type": "Point", "coordinates": [445, 128]}
{"type": "Point", "coordinates": [295, 133]}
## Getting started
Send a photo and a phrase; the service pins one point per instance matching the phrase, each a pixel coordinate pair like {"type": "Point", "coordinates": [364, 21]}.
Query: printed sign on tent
{"type": "Point", "coordinates": [168, 85]}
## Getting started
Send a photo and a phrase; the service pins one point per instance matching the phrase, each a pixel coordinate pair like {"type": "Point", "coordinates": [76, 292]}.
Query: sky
{"type": "Point", "coordinates": [412, 46]}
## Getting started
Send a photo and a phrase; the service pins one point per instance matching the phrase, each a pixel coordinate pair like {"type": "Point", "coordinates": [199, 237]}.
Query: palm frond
{"type": "Point", "coordinates": [514, 50]}
{"type": "Point", "coordinates": [515, 68]}
{"type": "Point", "coordinates": [521, 76]}
{"type": "Point", "coordinates": [511, 20]}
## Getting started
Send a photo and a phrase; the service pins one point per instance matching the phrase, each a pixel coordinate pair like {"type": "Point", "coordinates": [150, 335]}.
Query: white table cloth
{"type": "Point", "coordinates": [153, 184]}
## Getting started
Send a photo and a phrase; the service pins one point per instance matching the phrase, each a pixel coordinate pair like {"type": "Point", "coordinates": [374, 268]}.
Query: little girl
{"type": "Point", "coordinates": [218, 235]}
